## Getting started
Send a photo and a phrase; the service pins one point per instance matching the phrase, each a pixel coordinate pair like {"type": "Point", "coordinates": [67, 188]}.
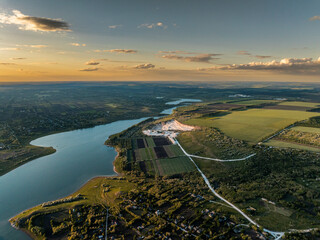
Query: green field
{"type": "Point", "coordinates": [282, 144]}
{"type": "Point", "coordinates": [170, 166]}
{"type": "Point", "coordinates": [173, 150]}
{"type": "Point", "coordinates": [171, 161]}
{"type": "Point", "coordinates": [254, 102]}
{"type": "Point", "coordinates": [301, 104]}
{"type": "Point", "coordinates": [307, 129]}
{"type": "Point", "coordinates": [150, 142]}
{"type": "Point", "coordinates": [254, 124]}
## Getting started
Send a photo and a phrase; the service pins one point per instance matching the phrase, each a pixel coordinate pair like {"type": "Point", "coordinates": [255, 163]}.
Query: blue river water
{"type": "Point", "coordinates": [80, 156]}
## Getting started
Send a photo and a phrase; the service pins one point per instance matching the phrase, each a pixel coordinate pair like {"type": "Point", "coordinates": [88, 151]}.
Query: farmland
{"type": "Point", "coordinates": [285, 144]}
{"type": "Point", "coordinates": [301, 104]}
{"type": "Point", "coordinates": [254, 124]}
{"type": "Point", "coordinates": [307, 129]}
{"type": "Point", "coordinates": [155, 156]}
{"type": "Point", "coordinates": [255, 102]}
{"type": "Point", "coordinates": [306, 138]}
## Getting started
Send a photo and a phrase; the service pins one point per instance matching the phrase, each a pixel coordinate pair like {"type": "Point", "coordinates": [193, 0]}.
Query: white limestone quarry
{"type": "Point", "coordinates": [168, 129]}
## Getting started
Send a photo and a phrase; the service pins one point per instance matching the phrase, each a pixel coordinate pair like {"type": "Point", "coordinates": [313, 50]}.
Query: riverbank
{"type": "Point", "coordinates": [114, 162]}
{"type": "Point", "coordinates": [111, 187]}
{"type": "Point", "coordinates": [27, 142]}
{"type": "Point", "coordinates": [12, 159]}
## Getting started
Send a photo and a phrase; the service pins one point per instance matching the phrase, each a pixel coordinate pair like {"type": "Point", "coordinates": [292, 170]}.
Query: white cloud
{"type": "Point", "coordinates": [34, 46]}
{"type": "Point", "coordinates": [153, 25]}
{"type": "Point", "coordinates": [286, 65]}
{"type": "Point", "coordinates": [10, 49]}
{"type": "Point", "coordinates": [115, 26]}
{"type": "Point", "coordinates": [177, 52]}
{"type": "Point", "coordinates": [78, 44]}
{"type": "Point", "coordinates": [34, 23]}
{"type": "Point", "coordinates": [314, 18]}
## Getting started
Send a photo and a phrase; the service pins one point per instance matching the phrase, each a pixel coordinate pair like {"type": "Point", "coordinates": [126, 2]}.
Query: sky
{"type": "Point", "coordinates": [176, 40]}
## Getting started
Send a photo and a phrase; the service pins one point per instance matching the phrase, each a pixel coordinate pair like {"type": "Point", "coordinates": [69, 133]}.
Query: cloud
{"type": "Point", "coordinates": [262, 56]}
{"type": "Point", "coordinates": [286, 65]}
{"type": "Point", "coordinates": [144, 66]}
{"type": "Point", "coordinates": [177, 52]}
{"type": "Point", "coordinates": [204, 58]}
{"type": "Point", "coordinates": [118, 51]}
{"type": "Point", "coordinates": [115, 26]}
{"type": "Point", "coordinates": [246, 53]}
{"type": "Point", "coordinates": [243, 53]}
{"type": "Point", "coordinates": [10, 49]}
{"type": "Point", "coordinates": [34, 23]}
{"type": "Point", "coordinates": [92, 63]}
{"type": "Point", "coordinates": [78, 44]}
{"type": "Point", "coordinates": [18, 58]}
{"type": "Point", "coordinates": [33, 46]}
{"type": "Point", "coordinates": [153, 25]}
{"type": "Point", "coordinates": [314, 18]}
{"type": "Point", "coordinates": [89, 69]}
{"type": "Point", "coordinates": [6, 63]}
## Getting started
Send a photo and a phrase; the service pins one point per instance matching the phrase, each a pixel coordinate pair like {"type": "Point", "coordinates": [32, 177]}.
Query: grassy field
{"type": "Point", "coordinates": [254, 102]}
{"type": "Point", "coordinates": [282, 144]}
{"type": "Point", "coordinates": [307, 129]}
{"type": "Point", "coordinates": [254, 124]}
{"type": "Point", "coordinates": [301, 104]}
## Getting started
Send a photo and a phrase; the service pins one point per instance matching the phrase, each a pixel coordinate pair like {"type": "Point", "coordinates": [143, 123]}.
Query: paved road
{"type": "Point", "coordinates": [222, 160]}
{"type": "Point", "coordinates": [276, 235]}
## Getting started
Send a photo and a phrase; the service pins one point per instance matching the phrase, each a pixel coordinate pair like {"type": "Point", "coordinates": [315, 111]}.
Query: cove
{"type": "Point", "coordinates": [80, 156]}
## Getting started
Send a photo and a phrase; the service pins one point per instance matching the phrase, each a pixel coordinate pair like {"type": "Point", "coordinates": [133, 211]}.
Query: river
{"type": "Point", "coordinates": [80, 156]}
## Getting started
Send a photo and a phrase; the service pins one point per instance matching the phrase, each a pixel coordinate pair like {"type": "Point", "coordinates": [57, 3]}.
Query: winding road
{"type": "Point", "coordinates": [221, 160]}
{"type": "Point", "coordinates": [276, 235]}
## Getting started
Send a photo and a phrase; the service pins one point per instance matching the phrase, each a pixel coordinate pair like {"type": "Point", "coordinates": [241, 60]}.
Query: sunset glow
{"type": "Point", "coordinates": [152, 40]}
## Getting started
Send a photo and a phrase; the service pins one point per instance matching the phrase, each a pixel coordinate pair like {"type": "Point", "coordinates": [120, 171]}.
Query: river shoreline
{"type": "Point", "coordinates": [98, 130]}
